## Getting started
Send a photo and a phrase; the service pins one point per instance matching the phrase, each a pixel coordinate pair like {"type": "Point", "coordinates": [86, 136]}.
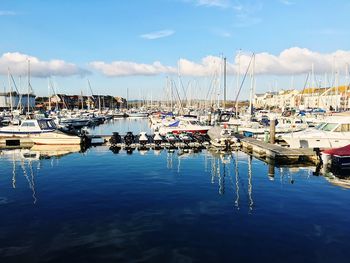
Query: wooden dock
{"type": "Point", "coordinates": [14, 143]}
{"type": "Point", "coordinates": [278, 154]}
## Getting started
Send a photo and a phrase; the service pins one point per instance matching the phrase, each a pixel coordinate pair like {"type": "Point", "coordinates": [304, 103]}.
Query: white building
{"type": "Point", "coordinates": [325, 98]}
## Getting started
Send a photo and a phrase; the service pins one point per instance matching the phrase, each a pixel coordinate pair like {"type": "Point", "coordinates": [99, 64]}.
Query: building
{"type": "Point", "coordinates": [63, 101]}
{"type": "Point", "coordinates": [16, 101]}
{"type": "Point", "coordinates": [325, 98]}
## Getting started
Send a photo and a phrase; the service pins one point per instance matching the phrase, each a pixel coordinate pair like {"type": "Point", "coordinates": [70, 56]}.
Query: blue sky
{"type": "Point", "coordinates": [134, 45]}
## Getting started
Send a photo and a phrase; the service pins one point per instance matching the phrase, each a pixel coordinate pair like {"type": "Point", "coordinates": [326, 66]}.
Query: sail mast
{"type": "Point", "coordinates": [28, 86]}
{"type": "Point", "coordinates": [224, 83]}
{"type": "Point", "coordinates": [10, 88]}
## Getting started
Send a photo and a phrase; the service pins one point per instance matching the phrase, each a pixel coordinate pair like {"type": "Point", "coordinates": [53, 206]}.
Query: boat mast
{"type": "Point", "coordinates": [10, 88]}
{"type": "Point", "coordinates": [20, 96]}
{"type": "Point", "coordinates": [224, 83]}
{"type": "Point", "coordinates": [127, 98]}
{"type": "Point", "coordinates": [252, 87]}
{"type": "Point", "coordinates": [28, 86]}
{"type": "Point", "coordinates": [238, 80]}
{"type": "Point", "coordinates": [48, 93]}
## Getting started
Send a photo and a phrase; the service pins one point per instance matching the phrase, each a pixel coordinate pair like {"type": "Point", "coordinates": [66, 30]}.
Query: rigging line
{"type": "Point", "coordinates": [178, 96]}
{"type": "Point", "coordinates": [244, 77]}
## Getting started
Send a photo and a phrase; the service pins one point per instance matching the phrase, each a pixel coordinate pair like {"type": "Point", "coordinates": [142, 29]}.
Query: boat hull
{"type": "Point", "coordinates": [45, 138]}
{"type": "Point", "coordinates": [177, 131]}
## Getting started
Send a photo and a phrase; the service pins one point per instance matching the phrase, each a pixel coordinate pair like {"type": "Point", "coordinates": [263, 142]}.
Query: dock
{"type": "Point", "coordinates": [13, 143]}
{"type": "Point", "coordinates": [278, 154]}
{"type": "Point", "coordinates": [270, 153]}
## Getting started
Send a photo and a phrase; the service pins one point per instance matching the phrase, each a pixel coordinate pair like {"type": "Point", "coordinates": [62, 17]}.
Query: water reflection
{"type": "Point", "coordinates": [231, 172]}
{"type": "Point", "coordinates": [27, 162]}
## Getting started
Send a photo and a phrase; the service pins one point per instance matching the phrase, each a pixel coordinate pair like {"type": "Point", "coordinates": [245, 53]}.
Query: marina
{"type": "Point", "coordinates": [181, 131]}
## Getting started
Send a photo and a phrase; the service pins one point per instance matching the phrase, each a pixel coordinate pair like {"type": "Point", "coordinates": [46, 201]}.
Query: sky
{"type": "Point", "coordinates": [141, 48]}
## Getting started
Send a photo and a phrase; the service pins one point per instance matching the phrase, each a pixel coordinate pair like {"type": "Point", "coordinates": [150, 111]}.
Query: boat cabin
{"type": "Point", "coordinates": [42, 124]}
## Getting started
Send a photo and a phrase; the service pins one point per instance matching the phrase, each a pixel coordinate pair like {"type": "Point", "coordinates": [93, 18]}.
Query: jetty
{"type": "Point", "coordinates": [277, 153]}
{"type": "Point", "coordinates": [268, 152]}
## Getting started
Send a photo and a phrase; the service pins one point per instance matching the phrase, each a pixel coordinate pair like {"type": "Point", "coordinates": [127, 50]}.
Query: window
{"type": "Point", "coordinates": [43, 125]}
{"type": "Point", "coordinates": [329, 126]}
{"type": "Point", "coordinates": [319, 126]}
{"type": "Point", "coordinates": [28, 124]}
{"type": "Point", "coordinates": [52, 124]}
{"type": "Point", "coordinates": [345, 127]}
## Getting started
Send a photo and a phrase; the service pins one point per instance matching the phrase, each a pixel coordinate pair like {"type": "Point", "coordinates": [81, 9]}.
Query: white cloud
{"type": "Point", "coordinates": [7, 13]}
{"type": "Point", "coordinates": [216, 3]}
{"type": "Point", "coordinates": [208, 66]}
{"type": "Point", "coordinates": [297, 60]}
{"type": "Point", "coordinates": [18, 65]}
{"type": "Point", "coordinates": [128, 68]}
{"type": "Point", "coordinates": [292, 61]}
{"type": "Point", "coordinates": [158, 34]}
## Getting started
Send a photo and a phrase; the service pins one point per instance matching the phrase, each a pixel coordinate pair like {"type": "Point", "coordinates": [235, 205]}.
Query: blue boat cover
{"type": "Point", "coordinates": [174, 124]}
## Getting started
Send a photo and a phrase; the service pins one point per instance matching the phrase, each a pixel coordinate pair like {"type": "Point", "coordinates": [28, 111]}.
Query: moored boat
{"type": "Point", "coordinates": [332, 133]}
{"type": "Point", "coordinates": [337, 158]}
{"type": "Point", "coordinates": [43, 131]}
{"type": "Point", "coordinates": [181, 126]}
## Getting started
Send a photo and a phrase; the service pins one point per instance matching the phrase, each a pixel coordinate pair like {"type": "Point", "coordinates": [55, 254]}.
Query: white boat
{"type": "Point", "coordinates": [143, 138]}
{"type": "Point", "coordinates": [332, 133]}
{"type": "Point", "coordinates": [222, 137]}
{"type": "Point", "coordinates": [43, 131]}
{"type": "Point", "coordinates": [138, 114]}
{"type": "Point", "coordinates": [181, 126]}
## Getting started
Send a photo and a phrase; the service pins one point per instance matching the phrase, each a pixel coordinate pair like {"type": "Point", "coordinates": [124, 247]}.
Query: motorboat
{"type": "Point", "coordinates": [337, 158]}
{"type": "Point", "coordinates": [129, 138]}
{"type": "Point", "coordinates": [200, 138]}
{"type": "Point", "coordinates": [332, 133]}
{"type": "Point", "coordinates": [76, 123]}
{"type": "Point", "coordinates": [171, 138]}
{"type": "Point", "coordinates": [43, 131]}
{"type": "Point", "coordinates": [180, 126]}
{"type": "Point", "coordinates": [116, 138]}
{"type": "Point", "coordinates": [120, 115]}
{"type": "Point", "coordinates": [157, 139]}
{"type": "Point", "coordinates": [143, 138]}
{"type": "Point", "coordinates": [222, 137]}
{"type": "Point", "coordinates": [137, 114]}
{"type": "Point", "coordinates": [185, 137]}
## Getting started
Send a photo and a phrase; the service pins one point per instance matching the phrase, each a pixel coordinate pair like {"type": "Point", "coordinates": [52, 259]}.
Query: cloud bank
{"type": "Point", "coordinates": [18, 65]}
{"type": "Point", "coordinates": [128, 68]}
{"type": "Point", "coordinates": [297, 61]}
{"type": "Point", "coordinates": [292, 61]}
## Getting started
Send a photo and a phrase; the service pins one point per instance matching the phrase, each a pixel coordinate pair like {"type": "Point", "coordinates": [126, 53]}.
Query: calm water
{"type": "Point", "coordinates": [166, 207]}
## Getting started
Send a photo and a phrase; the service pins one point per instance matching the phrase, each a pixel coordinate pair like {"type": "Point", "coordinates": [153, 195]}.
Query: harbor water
{"type": "Point", "coordinates": [68, 205]}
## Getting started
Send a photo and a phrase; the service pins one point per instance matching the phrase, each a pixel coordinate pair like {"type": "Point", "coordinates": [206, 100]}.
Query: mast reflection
{"type": "Point", "coordinates": [24, 161]}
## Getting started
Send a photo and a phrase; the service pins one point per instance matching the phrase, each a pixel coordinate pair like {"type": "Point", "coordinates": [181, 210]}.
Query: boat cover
{"type": "Point", "coordinates": [342, 151]}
